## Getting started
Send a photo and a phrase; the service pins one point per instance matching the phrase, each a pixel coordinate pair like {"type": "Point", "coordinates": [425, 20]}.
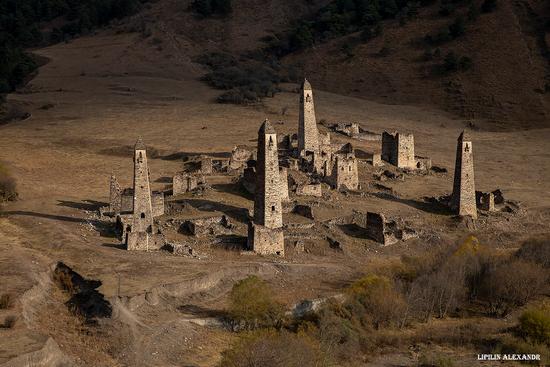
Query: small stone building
{"type": "Point", "coordinates": [344, 169]}
{"type": "Point", "coordinates": [398, 149]}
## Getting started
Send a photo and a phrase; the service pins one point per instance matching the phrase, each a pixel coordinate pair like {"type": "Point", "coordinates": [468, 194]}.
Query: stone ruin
{"type": "Point", "coordinates": [184, 182]}
{"type": "Point", "coordinates": [386, 232]}
{"type": "Point", "coordinates": [302, 164]}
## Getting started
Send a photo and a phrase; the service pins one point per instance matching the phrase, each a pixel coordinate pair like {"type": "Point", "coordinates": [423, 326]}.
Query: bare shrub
{"type": "Point", "coordinates": [6, 301]}
{"type": "Point", "coordinates": [9, 322]}
{"type": "Point", "coordinates": [8, 185]}
{"type": "Point", "coordinates": [252, 305]}
{"type": "Point", "coordinates": [536, 250]}
{"type": "Point", "coordinates": [269, 348]}
{"type": "Point", "coordinates": [510, 284]}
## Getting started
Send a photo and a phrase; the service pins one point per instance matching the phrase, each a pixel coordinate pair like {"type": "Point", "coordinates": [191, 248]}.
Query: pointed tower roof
{"type": "Point", "coordinates": [306, 85]}
{"type": "Point", "coordinates": [140, 145]}
{"type": "Point", "coordinates": [465, 136]}
{"type": "Point", "coordinates": [267, 128]}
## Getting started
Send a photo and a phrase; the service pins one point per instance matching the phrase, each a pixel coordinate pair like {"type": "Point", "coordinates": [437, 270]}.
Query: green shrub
{"type": "Point", "coordinates": [534, 324]}
{"type": "Point", "coordinates": [374, 298]}
{"type": "Point", "coordinates": [252, 305]}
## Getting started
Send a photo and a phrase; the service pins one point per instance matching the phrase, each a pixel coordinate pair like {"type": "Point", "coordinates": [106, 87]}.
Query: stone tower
{"type": "Point", "coordinates": [142, 213]}
{"type": "Point", "coordinates": [265, 233]}
{"type": "Point", "coordinates": [308, 135]}
{"type": "Point", "coordinates": [463, 200]}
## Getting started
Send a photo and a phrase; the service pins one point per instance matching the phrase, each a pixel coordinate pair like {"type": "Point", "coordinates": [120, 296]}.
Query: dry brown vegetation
{"type": "Point", "coordinates": [462, 282]}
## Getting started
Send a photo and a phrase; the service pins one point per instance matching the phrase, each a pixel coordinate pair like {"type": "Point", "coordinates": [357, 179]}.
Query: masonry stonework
{"type": "Point", "coordinates": [308, 135]}
{"type": "Point", "coordinates": [265, 233]}
{"type": "Point", "coordinates": [115, 195]}
{"type": "Point", "coordinates": [463, 200]}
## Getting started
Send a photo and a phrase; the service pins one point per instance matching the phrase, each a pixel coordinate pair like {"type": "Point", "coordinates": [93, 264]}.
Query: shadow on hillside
{"type": "Point", "coordinates": [235, 189]}
{"type": "Point", "coordinates": [428, 207]}
{"type": "Point", "coordinates": [353, 230]}
{"type": "Point", "coordinates": [233, 212]}
{"type": "Point", "coordinates": [182, 155]}
{"type": "Point", "coordinates": [89, 205]}
{"type": "Point", "coordinates": [201, 311]}
{"type": "Point", "coordinates": [105, 229]}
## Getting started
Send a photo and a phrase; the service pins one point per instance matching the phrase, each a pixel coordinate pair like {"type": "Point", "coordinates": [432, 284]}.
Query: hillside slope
{"type": "Point", "coordinates": [506, 85]}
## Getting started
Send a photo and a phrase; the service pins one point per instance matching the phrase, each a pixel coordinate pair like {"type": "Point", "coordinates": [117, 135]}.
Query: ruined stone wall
{"type": "Point", "coordinates": [312, 189]}
{"type": "Point", "coordinates": [283, 182]}
{"type": "Point", "coordinates": [463, 200]}
{"type": "Point", "coordinates": [158, 204]}
{"type": "Point", "coordinates": [239, 156]}
{"type": "Point", "coordinates": [376, 226]}
{"type": "Point", "coordinates": [389, 148]}
{"type": "Point", "coordinates": [267, 200]}
{"type": "Point", "coordinates": [345, 173]}
{"type": "Point", "coordinates": [206, 165]}
{"type": "Point", "coordinates": [183, 182]}
{"type": "Point", "coordinates": [308, 135]}
{"type": "Point", "coordinates": [115, 196]}
{"type": "Point", "coordinates": [405, 151]}
{"type": "Point", "coordinates": [127, 201]}
{"type": "Point", "coordinates": [143, 241]}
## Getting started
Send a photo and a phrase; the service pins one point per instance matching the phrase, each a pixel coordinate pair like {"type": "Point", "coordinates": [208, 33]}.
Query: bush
{"type": "Point", "coordinates": [8, 186]}
{"type": "Point", "coordinates": [268, 348]}
{"type": "Point", "coordinates": [535, 250]}
{"type": "Point", "coordinates": [509, 284]}
{"type": "Point", "coordinates": [375, 299]}
{"type": "Point", "coordinates": [208, 8]}
{"type": "Point", "coordinates": [252, 306]}
{"type": "Point", "coordinates": [6, 301]}
{"type": "Point", "coordinates": [9, 322]}
{"type": "Point", "coordinates": [534, 324]}
{"type": "Point", "coordinates": [488, 6]}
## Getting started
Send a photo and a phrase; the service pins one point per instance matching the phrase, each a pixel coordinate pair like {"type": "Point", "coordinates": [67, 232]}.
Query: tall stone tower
{"type": "Point", "coordinates": [265, 233]}
{"type": "Point", "coordinates": [142, 215]}
{"type": "Point", "coordinates": [463, 200]}
{"type": "Point", "coordinates": [308, 135]}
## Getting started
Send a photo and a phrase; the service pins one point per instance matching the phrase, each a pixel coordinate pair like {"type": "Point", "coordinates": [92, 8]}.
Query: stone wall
{"type": "Point", "coordinates": [310, 189]}
{"type": "Point", "coordinates": [115, 195]}
{"type": "Point", "coordinates": [398, 149]}
{"type": "Point", "coordinates": [266, 241]}
{"type": "Point", "coordinates": [184, 182]}
{"type": "Point", "coordinates": [158, 204]}
{"type": "Point", "coordinates": [283, 182]}
{"type": "Point", "coordinates": [344, 172]}
{"type": "Point", "coordinates": [143, 207]}
{"type": "Point", "coordinates": [405, 151]}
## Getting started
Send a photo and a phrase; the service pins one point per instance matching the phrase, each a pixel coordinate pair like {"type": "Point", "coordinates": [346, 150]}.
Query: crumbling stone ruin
{"type": "Point", "coordinates": [240, 155]}
{"type": "Point", "coordinates": [463, 199]}
{"type": "Point", "coordinates": [115, 195]}
{"type": "Point", "coordinates": [386, 232]}
{"type": "Point", "coordinates": [184, 182]}
{"type": "Point", "coordinates": [398, 149]}
{"type": "Point", "coordinates": [141, 234]}
{"type": "Point", "coordinates": [265, 231]}
{"type": "Point", "coordinates": [344, 169]}
{"type": "Point", "coordinates": [214, 225]}
{"type": "Point", "coordinates": [308, 135]}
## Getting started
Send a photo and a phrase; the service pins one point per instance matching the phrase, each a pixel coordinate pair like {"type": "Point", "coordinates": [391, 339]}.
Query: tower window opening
{"type": "Point", "coordinates": [142, 215]}
{"type": "Point", "coordinates": [273, 208]}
